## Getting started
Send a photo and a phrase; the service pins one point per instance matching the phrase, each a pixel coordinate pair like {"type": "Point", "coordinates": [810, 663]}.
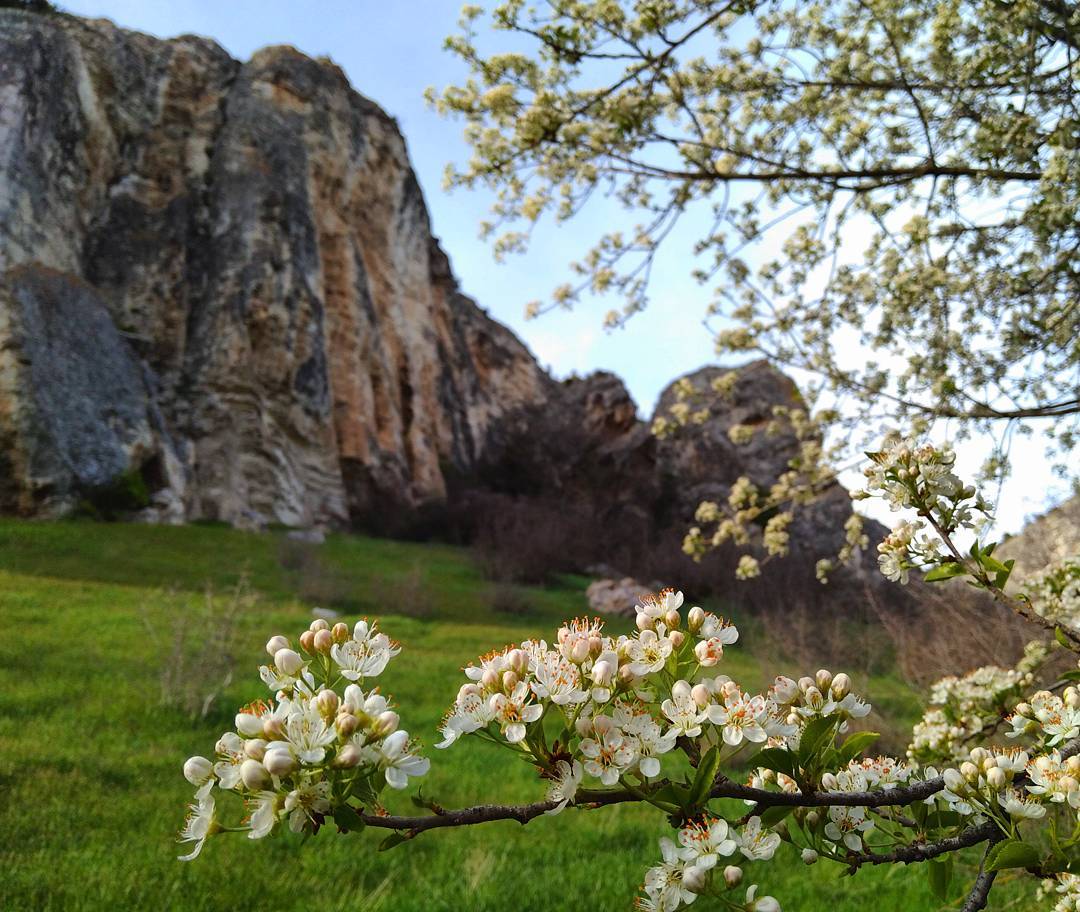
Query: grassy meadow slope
{"type": "Point", "coordinates": [91, 793]}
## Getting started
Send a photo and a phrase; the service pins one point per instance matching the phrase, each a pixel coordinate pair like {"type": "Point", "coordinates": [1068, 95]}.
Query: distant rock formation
{"type": "Point", "coordinates": [220, 299]}
{"type": "Point", "coordinates": [222, 275]}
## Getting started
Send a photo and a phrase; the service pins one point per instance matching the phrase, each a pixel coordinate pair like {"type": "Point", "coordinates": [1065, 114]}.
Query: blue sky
{"type": "Point", "coordinates": [392, 51]}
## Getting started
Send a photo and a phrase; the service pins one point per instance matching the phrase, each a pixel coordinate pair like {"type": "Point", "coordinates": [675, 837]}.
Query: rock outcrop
{"type": "Point", "coordinates": [244, 249]}
{"type": "Point", "coordinates": [220, 298]}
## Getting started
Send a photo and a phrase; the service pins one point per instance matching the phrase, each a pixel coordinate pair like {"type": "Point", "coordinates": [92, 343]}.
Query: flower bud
{"type": "Point", "coordinates": [694, 879]}
{"type": "Point", "coordinates": [677, 638]}
{"type": "Point", "coordinates": [814, 697]}
{"type": "Point", "coordinates": [823, 679]}
{"type": "Point", "coordinates": [509, 680]}
{"type": "Point", "coordinates": [254, 774]}
{"type": "Point", "coordinates": [732, 875]}
{"type": "Point", "coordinates": [563, 633]}
{"type": "Point", "coordinates": [275, 643]}
{"type": "Point", "coordinates": [784, 689]}
{"type": "Point", "coordinates": [805, 683]}
{"type": "Point", "coordinates": [969, 771]}
{"type": "Point", "coordinates": [829, 783]}
{"type": "Point", "coordinates": [340, 632]}
{"type": "Point", "coordinates": [288, 662]}
{"type": "Point", "coordinates": [1023, 710]}
{"type": "Point", "coordinates": [596, 645]}
{"type": "Point", "coordinates": [680, 690]}
{"type": "Point", "coordinates": [319, 624]}
{"type": "Point", "coordinates": [323, 641]}
{"type": "Point", "coordinates": [841, 686]}
{"type": "Point", "coordinates": [706, 658]}
{"type": "Point", "coordinates": [813, 818]}
{"type": "Point", "coordinates": [248, 725]}
{"type": "Point", "coordinates": [1068, 784]}
{"type": "Point", "coordinates": [255, 748]}
{"type": "Point", "coordinates": [580, 652]}
{"type": "Point", "coordinates": [602, 673]}
{"type": "Point", "coordinates": [954, 781]}
{"type": "Point", "coordinates": [1071, 697]}
{"type": "Point", "coordinates": [197, 770]}
{"type": "Point", "coordinates": [995, 778]}
{"type": "Point", "coordinates": [695, 618]}
{"type": "Point", "coordinates": [809, 856]}
{"type": "Point", "coordinates": [279, 761]}
{"type": "Point", "coordinates": [643, 622]}
{"type": "Point", "coordinates": [468, 690]}
{"type": "Point", "coordinates": [307, 641]}
{"type": "Point", "coordinates": [672, 619]}
{"type": "Point", "coordinates": [273, 730]}
{"type": "Point", "coordinates": [346, 723]}
{"type": "Point", "coordinates": [347, 757]}
{"type": "Point", "coordinates": [386, 723]}
{"type": "Point", "coordinates": [517, 660]}
{"type": "Point", "coordinates": [700, 694]}
{"type": "Point", "coordinates": [1073, 765]}
{"type": "Point", "coordinates": [327, 701]}
{"type": "Point", "coordinates": [490, 679]}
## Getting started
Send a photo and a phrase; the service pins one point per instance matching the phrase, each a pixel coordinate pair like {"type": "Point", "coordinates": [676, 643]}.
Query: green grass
{"type": "Point", "coordinates": [91, 793]}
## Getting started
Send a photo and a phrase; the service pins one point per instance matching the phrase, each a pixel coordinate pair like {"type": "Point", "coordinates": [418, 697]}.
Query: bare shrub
{"type": "Point", "coordinates": [410, 595]}
{"type": "Point", "coordinates": [200, 652]}
{"type": "Point", "coordinates": [509, 600]}
{"type": "Point", "coordinates": [313, 579]}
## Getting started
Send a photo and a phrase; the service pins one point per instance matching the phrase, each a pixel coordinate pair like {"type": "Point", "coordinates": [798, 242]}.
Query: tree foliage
{"type": "Point", "coordinates": [904, 175]}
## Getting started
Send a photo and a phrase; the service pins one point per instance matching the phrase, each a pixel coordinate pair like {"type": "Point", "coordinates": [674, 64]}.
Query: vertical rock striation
{"type": "Point", "coordinates": [247, 250]}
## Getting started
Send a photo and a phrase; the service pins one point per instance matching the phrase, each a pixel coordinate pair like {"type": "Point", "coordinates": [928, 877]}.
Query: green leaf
{"type": "Point", "coordinates": [854, 745]}
{"type": "Point", "coordinates": [1012, 854]}
{"type": "Point", "coordinates": [940, 873]}
{"type": "Point", "coordinates": [706, 773]}
{"type": "Point", "coordinates": [1059, 635]}
{"type": "Point", "coordinates": [347, 819]}
{"type": "Point", "coordinates": [817, 733]}
{"type": "Point", "coordinates": [772, 816]}
{"type": "Point", "coordinates": [778, 759]}
{"type": "Point", "coordinates": [394, 839]}
{"type": "Point", "coordinates": [945, 571]}
{"type": "Point", "coordinates": [1071, 675]}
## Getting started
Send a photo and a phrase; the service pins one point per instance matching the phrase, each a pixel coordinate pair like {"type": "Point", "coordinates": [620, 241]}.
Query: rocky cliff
{"type": "Point", "coordinates": [221, 276]}
{"type": "Point", "coordinates": [220, 298]}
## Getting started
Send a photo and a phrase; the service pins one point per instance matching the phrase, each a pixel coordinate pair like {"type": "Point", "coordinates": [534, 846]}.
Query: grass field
{"type": "Point", "coordinates": [91, 793]}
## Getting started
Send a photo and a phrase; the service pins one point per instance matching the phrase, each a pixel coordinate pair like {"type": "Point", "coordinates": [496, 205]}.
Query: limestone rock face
{"type": "Point", "coordinates": [244, 248]}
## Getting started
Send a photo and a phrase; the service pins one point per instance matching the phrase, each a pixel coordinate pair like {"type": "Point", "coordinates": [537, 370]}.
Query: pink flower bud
{"type": "Point", "coordinates": [255, 748]}
{"type": "Point", "coordinates": [490, 679]}
{"type": "Point", "coordinates": [517, 660]}
{"type": "Point", "coordinates": [701, 695]}
{"type": "Point", "coordinates": [275, 643]}
{"type": "Point", "coordinates": [347, 757]}
{"type": "Point", "coordinates": [694, 879]}
{"type": "Point", "coordinates": [644, 622]}
{"type": "Point", "coordinates": [580, 652]}
{"type": "Point", "coordinates": [704, 654]}
{"type": "Point", "coordinates": [509, 679]}
{"type": "Point", "coordinates": [677, 638]}
{"type": "Point", "coordinates": [319, 624]}
{"type": "Point", "coordinates": [340, 632]}
{"type": "Point", "coordinates": [324, 639]}
{"type": "Point", "coordinates": [273, 730]}
{"type": "Point", "coordinates": [346, 723]}
{"type": "Point", "coordinates": [254, 774]}
{"type": "Point", "coordinates": [327, 701]}
{"type": "Point", "coordinates": [386, 724]}
{"type": "Point", "coordinates": [732, 875]}
{"type": "Point", "coordinates": [596, 645]}
{"type": "Point", "coordinates": [307, 641]}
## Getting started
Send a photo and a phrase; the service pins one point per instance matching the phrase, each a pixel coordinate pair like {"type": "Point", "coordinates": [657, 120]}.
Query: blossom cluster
{"type": "Point", "coordinates": [962, 708]}
{"type": "Point", "coordinates": [1054, 592]}
{"type": "Point", "coordinates": [919, 476]}
{"type": "Point", "coordinates": [320, 746]}
{"type": "Point", "coordinates": [692, 866]}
